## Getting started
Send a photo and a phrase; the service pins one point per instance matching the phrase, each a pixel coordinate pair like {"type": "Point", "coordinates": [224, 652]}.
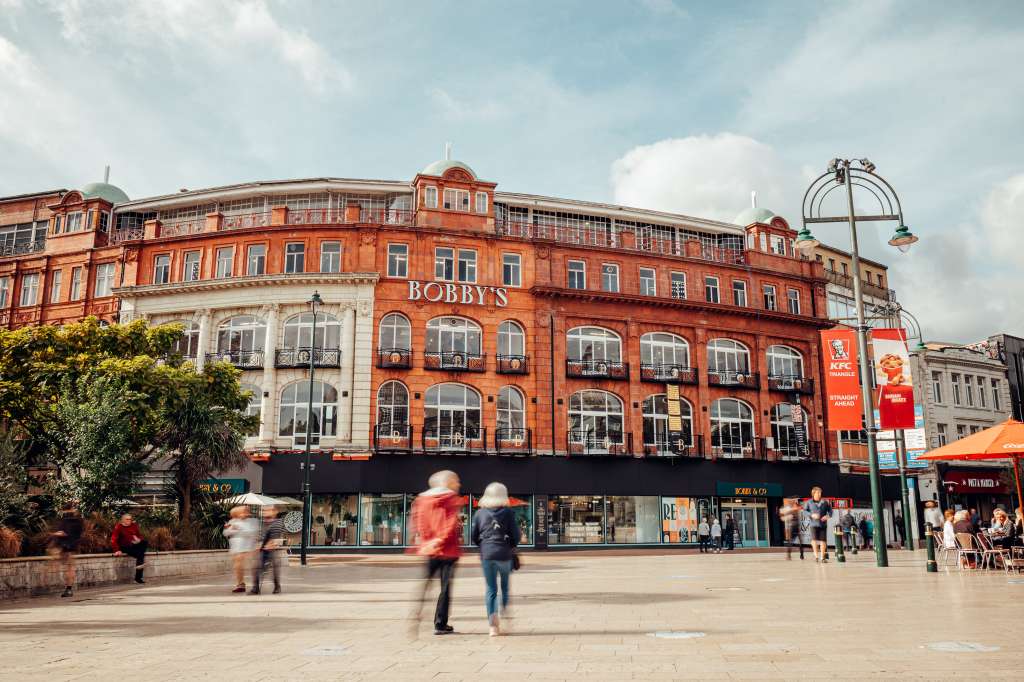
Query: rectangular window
{"type": "Point", "coordinates": [648, 282]}
{"type": "Point", "coordinates": [430, 197]}
{"type": "Point", "coordinates": [711, 289]}
{"type": "Point", "coordinates": [330, 256]}
{"type": "Point", "coordinates": [104, 279]}
{"type": "Point", "coordinates": [778, 245]}
{"type": "Point", "coordinates": [955, 380]}
{"type": "Point", "coordinates": [577, 274]}
{"type": "Point", "coordinates": [995, 395]}
{"type": "Point", "coordinates": [57, 224]}
{"type": "Point", "coordinates": [295, 257]}
{"type": "Point", "coordinates": [511, 270]}
{"type": "Point", "coordinates": [969, 389]}
{"type": "Point", "coordinates": [793, 298]}
{"type": "Point", "coordinates": [76, 284]}
{"type": "Point", "coordinates": [943, 436]}
{"type": "Point", "coordinates": [678, 285]}
{"type": "Point", "coordinates": [444, 264]}
{"type": "Point", "coordinates": [769, 297]}
{"type": "Point", "coordinates": [5, 291]}
{"type": "Point", "coordinates": [30, 289]}
{"type": "Point", "coordinates": [456, 200]}
{"type": "Point", "coordinates": [398, 260]}
{"type": "Point", "coordinates": [832, 264]}
{"type": "Point", "coordinates": [481, 202]}
{"type": "Point", "coordinates": [255, 259]}
{"type": "Point", "coordinates": [56, 278]}
{"type": "Point", "coordinates": [937, 387]}
{"type": "Point", "coordinates": [764, 242]}
{"type": "Point", "coordinates": [739, 293]}
{"type": "Point", "coordinates": [961, 431]}
{"type": "Point", "coordinates": [225, 262]}
{"type": "Point", "coordinates": [74, 223]}
{"type": "Point", "coordinates": [982, 400]}
{"type": "Point", "coordinates": [162, 269]}
{"type": "Point", "coordinates": [610, 277]}
{"type": "Point", "coordinates": [880, 281]}
{"type": "Point", "coordinates": [190, 267]}
{"type": "Point", "coordinates": [467, 265]}
{"type": "Point", "coordinates": [846, 269]}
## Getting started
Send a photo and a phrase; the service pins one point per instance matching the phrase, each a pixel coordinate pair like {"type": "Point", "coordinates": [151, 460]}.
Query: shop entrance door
{"type": "Point", "coordinates": [751, 519]}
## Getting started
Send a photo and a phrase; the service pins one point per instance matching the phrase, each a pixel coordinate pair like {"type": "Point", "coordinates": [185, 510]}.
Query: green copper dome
{"type": "Point", "coordinates": [104, 190]}
{"type": "Point", "coordinates": [752, 215]}
{"type": "Point", "coordinates": [438, 168]}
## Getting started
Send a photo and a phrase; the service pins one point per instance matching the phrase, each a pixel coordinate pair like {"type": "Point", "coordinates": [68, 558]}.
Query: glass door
{"type": "Point", "coordinates": [751, 519]}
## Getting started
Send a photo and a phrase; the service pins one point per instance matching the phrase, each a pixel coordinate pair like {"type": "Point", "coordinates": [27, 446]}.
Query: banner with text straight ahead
{"type": "Point", "coordinates": [842, 390]}
{"type": "Point", "coordinates": [895, 383]}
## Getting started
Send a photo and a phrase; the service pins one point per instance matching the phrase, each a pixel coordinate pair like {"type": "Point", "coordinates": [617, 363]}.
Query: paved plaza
{"type": "Point", "coordinates": [577, 615]}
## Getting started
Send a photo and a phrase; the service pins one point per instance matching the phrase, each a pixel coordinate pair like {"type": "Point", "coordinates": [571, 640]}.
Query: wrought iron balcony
{"type": "Point", "coordinates": [126, 234]}
{"type": "Point", "coordinates": [513, 442]}
{"type": "Point", "coordinates": [734, 378]}
{"type": "Point", "coordinates": [243, 221]}
{"type": "Point", "coordinates": [243, 359]}
{"type": "Point", "coordinates": [465, 440]}
{"type": "Point", "coordinates": [599, 443]}
{"type": "Point", "coordinates": [394, 358]}
{"type": "Point", "coordinates": [739, 449]}
{"type": "Point", "coordinates": [11, 250]}
{"type": "Point", "coordinates": [300, 357]}
{"type": "Point", "coordinates": [791, 384]}
{"type": "Point", "coordinates": [812, 452]}
{"type": "Point", "coordinates": [596, 369]}
{"type": "Point", "coordinates": [393, 438]}
{"type": "Point", "coordinates": [668, 374]}
{"type": "Point", "coordinates": [692, 447]}
{"type": "Point", "coordinates": [455, 361]}
{"type": "Point", "coordinates": [513, 364]}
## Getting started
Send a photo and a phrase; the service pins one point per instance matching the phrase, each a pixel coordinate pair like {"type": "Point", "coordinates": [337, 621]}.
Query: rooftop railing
{"type": "Point", "coordinates": [869, 289]}
{"type": "Point", "coordinates": [7, 250]}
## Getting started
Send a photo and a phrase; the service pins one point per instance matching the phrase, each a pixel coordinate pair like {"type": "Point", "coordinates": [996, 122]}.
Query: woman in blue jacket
{"type": "Point", "coordinates": [496, 533]}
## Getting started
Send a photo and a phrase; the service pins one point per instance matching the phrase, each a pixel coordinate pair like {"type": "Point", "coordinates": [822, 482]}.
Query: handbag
{"type": "Point", "coordinates": [516, 561]}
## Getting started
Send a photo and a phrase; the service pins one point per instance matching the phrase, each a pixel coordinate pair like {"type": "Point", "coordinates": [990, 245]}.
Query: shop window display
{"type": "Point", "coordinates": [680, 517]}
{"type": "Point", "coordinates": [575, 520]}
{"type": "Point", "coordinates": [463, 518]}
{"type": "Point", "coordinates": [633, 520]}
{"type": "Point", "coordinates": [334, 520]}
{"type": "Point", "coordinates": [382, 520]}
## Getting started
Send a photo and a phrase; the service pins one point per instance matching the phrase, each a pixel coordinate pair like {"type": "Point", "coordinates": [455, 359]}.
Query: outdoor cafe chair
{"type": "Point", "coordinates": [1015, 560]}
{"type": "Point", "coordinates": [989, 552]}
{"type": "Point", "coordinates": [967, 545]}
{"type": "Point", "coordinates": [943, 550]}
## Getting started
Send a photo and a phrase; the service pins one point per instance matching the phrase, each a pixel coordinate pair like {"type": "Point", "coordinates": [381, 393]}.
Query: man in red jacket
{"type": "Point", "coordinates": [436, 523]}
{"type": "Point", "coordinates": [127, 539]}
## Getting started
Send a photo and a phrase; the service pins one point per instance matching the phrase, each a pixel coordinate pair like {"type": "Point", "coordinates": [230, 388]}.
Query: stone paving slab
{"type": "Point", "coordinates": [745, 616]}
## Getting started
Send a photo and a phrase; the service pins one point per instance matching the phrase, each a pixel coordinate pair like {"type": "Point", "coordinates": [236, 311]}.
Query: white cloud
{"type": "Point", "coordinates": [706, 176]}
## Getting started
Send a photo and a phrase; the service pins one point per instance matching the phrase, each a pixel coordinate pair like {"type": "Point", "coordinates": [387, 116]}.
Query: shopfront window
{"type": "Point", "coordinates": [382, 519]}
{"type": "Point", "coordinates": [681, 516]}
{"type": "Point", "coordinates": [334, 520]}
{"type": "Point", "coordinates": [633, 520]}
{"type": "Point", "coordinates": [732, 427]}
{"type": "Point", "coordinates": [576, 520]}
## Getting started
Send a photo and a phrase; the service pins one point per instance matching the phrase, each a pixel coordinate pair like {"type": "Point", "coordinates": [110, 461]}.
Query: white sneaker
{"type": "Point", "coordinates": [495, 629]}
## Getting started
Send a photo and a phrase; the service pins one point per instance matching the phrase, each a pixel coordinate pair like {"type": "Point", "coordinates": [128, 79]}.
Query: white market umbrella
{"type": "Point", "coordinates": [255, 500]}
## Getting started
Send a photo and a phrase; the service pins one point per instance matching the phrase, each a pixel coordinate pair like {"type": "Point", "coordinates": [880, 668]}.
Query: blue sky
{"type": "Point", "coordinates": [669, 105]}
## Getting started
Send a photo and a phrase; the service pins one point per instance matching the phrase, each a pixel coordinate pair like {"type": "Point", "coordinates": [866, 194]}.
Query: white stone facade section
{"type": "Point", "coordinates": [274, 299]}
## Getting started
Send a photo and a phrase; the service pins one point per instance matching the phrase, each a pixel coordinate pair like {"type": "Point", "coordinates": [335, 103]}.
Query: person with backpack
{"type": "Point", "coordinates": [497, 534]}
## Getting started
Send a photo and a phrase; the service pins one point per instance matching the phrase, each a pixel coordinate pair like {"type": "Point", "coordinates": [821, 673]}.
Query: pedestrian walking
{"type": "Point", "coordinates": [242, 531]}
{"type": "Point", "coordinates": [730, 532]}
{"type": "Point", "coordinates": [790, 515]}
{"type": "Point", "coordinates": [65, 543]}
{"type": "Point", "coordinates": [269, 554]}
{"type": "Point", "coordinates": [127, 540]}
{"type": "Point", "coordinates": [716, 535]}
{"type": "Point", "coordinates": [865, 532]}
{"type": "Point", "coordinates": [975, 519]}
{"type": "Point", "coordinates": [704, 535]}
{"type": "Point", "coordinates": [933, 515]}
{"type": "Point", "coordinates": [849, 527]}
{"type": "Point", "coordinates": [435, 520]}
{"type": "Point", "coordinates": [897, 521]}
{"type": "Point", "coordinates": [819, 510]}
{"type": "Point", "coordinates": [497, 534]}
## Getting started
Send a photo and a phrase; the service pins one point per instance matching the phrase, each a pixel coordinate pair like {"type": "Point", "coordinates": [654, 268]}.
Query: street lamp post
{"type": "Point", "coordinates": [843, 173]}
{"type": "Point", "coordinates": [307, 494]}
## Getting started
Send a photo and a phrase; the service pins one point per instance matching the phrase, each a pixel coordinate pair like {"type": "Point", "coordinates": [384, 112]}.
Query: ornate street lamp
{"type": "Point", "coordinates": [307, 495]}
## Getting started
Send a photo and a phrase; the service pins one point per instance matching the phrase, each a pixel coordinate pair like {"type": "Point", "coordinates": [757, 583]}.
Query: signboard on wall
{"type": "Point", "coordinates": [914, 439]}
{"type": "Point", "coordinates": [796, 415]}
{"type": "Point", "coordinates": [895, 382]}
{"type": "Point", "coordinates": [680, 517]}
{"type": "Point", "coordinates": [466, 294]}
{"type": "Point", "coordinates": [842, 390]}
{"type": "Point", "coordinates": [224, 486]}
{"type": "Point", "coordinates": [728, 489]}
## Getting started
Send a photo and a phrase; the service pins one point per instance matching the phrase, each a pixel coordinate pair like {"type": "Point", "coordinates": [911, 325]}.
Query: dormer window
{"type": "Point", "coordinates": [481, 202]}
{"type": "Point", "coordinates": [430, 197]}
{"type": "Point", "coordinates": [456, 200]}
{"type": "Point", "coordinates": [74, 223]}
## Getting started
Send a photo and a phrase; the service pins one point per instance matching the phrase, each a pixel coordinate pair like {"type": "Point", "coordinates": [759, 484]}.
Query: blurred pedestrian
{"type": "Point", "coordinates": [975, 518]}
{"type": "Point", "coordinates": [65, 541]}
{"type": "Point", "coordinates": [704, 535]}
{"type": "Point", "coordinates": [716, 535]}
{"type": "Point", "coordinates": [730, 532]}
{"type": "Point", "coordinates": [242, 531]}
{"type": "Point", "coordinates": [790, 515]}
{"type": "Point", "coordinates": [268, 553]}
{"type": "Point", "coordinates": [496, 533]}
{"type": "Point", "coordinates": [1018, 526]}
{"type": "Point", "coordinates": [865, 532]}
{"type": "Point", "coordinates": [435, 520]}
{"type": "Point", "coordinates": [819, 510]}
{"type": "Point", "coordinates": [933, 515]}
{"type": "Point", "coordinates": [849, 527]}
{"type": "Point", "coordinates": [127, 540]}
{"type": "Point", "coordinates": [897, 521]}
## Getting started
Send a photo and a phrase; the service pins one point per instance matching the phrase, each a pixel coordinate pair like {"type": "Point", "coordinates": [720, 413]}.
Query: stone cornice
{"type": "Point", "coordinates": [299, 279]}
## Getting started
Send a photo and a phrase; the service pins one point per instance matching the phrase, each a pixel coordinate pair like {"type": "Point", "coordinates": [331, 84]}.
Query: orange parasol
{"type": "Point", "coordinates": [1003, 441]}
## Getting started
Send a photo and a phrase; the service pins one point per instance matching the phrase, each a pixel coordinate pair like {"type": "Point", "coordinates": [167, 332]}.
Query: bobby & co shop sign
{"type": "Point", "coordinates": [223, 486]}
{"type": "Point", "coordinates": [726, 489]}
{"type": "Point", "coordinates": [466, 294]}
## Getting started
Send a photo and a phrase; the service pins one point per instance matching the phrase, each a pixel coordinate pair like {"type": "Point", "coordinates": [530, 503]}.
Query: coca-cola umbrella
{"type": "Point", "coordinates": [1003, 441]}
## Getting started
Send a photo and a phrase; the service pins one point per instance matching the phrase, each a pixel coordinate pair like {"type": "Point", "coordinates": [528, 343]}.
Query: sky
{"type": "Point", "coordinates": [661, 104]}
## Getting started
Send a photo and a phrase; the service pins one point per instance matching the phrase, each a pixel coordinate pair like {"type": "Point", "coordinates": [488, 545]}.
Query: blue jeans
{"type": "Point", "coordinates": [493, 569]}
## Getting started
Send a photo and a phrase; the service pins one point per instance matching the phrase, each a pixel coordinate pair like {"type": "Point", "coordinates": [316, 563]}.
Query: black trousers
{"type": "Point", "coordinates": [705, 542]}
{"type": "Point", "coordinates": [445, 570]}
{"type": "Point", "coordinates": [267, 556]}
{"type": "Point", "coordinates": [730, 539]}
{"type": "Point", "coordinates": [138, 552]}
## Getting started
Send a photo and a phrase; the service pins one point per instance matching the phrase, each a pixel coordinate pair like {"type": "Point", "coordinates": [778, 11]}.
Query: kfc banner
{"type": "Point", "coordinates": [842, 390]}
{"type": "Point", "coordinates": [892, 372]}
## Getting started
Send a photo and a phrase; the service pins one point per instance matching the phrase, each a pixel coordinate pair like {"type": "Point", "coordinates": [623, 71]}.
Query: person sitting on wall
{"type": "Point", "coordinates": [127, 539]}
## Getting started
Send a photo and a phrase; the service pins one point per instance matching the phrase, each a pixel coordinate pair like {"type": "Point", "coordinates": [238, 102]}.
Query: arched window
{"type": "Point", "coordinates": [785, 363]}
{"type": "Point", "coordinates": [395, 333]}
{"type": "Point", "coordinates": [663, 356]}
{"type": "Point", "coordinates": [451, 416]}
{"type": "Point", "coordinates": [392, 403]}
{"type": "Point", "coordinates": [511, 340]}
{"type": "Point", "coordinates": [595, 419]}
{"type": "Point", "coordinates": [728, 362]}
{"type": "Point", "coordinates": [784, 432]}
{"type": "Point", "coordinates": [511, 411]}
{"type": "Point", "coordinates": [656, 434]}
{"type": "Point", "coordinates": [732, 427]}
{"type": "Point", "coordinates": [453, 335]}
{"type": "Point", "coordinates": [240, 339]}
{"type": "Point", "coordinates": [298, 332]}
{"type": "Point", "coordinates": [254, 405]}
{"type": "Point", "coordinates": [587, 344]}
{"type": "Point", "coordinates": [294, 402]}
{"type": "Point", "coordinates": [187, 345]}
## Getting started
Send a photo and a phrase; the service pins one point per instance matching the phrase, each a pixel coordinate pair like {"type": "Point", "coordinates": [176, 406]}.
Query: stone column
{"type": "Point", "coordinates": [348, 329]}
{"type": "Point", "coordinates": [268, 396]}
{"type": "Point", "coordinates": [204, 338]}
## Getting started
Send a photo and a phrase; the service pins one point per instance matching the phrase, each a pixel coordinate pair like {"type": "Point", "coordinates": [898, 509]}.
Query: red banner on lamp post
{"type": "Point", "coordinates": [895, 382]}
{"type": "Point", "coordinates": [842, 390]}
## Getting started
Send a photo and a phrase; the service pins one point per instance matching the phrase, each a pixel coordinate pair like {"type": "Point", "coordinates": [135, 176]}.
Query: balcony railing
{"type": "Point", "coordinates": [387, 216]}
{"type": "Point", "coordinates": [593, 235]}
{"type": "Point", "coordinates": [126, 234]}
{"type": "Point", "coordinates": [791, 384]}
{"type": "Point", "coordinates": [7, 250]}
{"type": "Point", "coordinates": [668, 374]}
{"type": "Point", "coordinates": [465, 440]}
{"type": "Point", "coordinates": [513, 364]}
{"type": "Point", "coordinates": [662, 447]}
{"type": "Point", "coordinates": [513, 441]}
{"type": "Point", "coordinates": [394, 358]}
{"type": "Point", "coordinates": [596, 369]}
{"type": "Point", "coordinates": [300, 357]}
{"type": "Point", "coordinates": [733, 378]}
{"type": "Point", "coordinates": [599, 443]}
{"type": "Point", "coordinates": [182, 227]}
{"type": "Point", "coordinates": [245, 220]}
{"type": "Point", "coordinates": [868, 289]}
{"type": "Point", "coordinates": [390, 437]}
{"type": "Point", "coordinates": [739, 449]}
{"type": "Point", "coordinates": [813, 452]}
{"type": "Point", "coordinates": [341, 216]}
{"type": "Point", "coordinates": [243, 359]}
{"type": "Point", "coordinates": [455, 361]}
